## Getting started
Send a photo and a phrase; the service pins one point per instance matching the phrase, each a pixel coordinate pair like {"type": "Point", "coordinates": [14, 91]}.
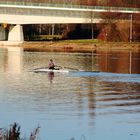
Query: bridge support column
{"type": "Point", "coordinates": [16, 34]}
{"type": "Point", "coordinates": [2, 34]}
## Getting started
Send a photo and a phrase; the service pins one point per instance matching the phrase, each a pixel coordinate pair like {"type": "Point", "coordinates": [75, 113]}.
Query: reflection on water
{"type": "Point", "coordinates": [50, 76]}
{"type": "Point", "coordinates": [105, 61]}
{"type": "Point", "coordinates": [119, 61]}
{"type": "Point", "coordinates": [12, 59]}
{"type": "Point", "coordinates": [77, 104]}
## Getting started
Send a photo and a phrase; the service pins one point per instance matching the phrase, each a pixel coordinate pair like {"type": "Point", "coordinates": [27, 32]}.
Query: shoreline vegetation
{"type": "Point", "coordinates": [75, 46]}
{"type": "Point", "coordinates": [14, 133]}
{"type": "Point", "coordinates": [83, 46]}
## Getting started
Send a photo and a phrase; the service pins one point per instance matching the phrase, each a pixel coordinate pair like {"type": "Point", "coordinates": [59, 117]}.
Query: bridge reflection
{"type": "Point", "coordinates": [12, 60]}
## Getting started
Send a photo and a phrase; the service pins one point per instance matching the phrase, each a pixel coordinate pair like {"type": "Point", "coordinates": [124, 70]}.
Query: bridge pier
{"type": "Point", "coordinates": [2, 34]}
{"type": "Point", "coordinates": [16, 33]}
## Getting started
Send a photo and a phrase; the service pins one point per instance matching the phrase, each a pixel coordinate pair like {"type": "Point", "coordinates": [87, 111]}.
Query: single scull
{"type": "Point", "coordinates": [51, 70]}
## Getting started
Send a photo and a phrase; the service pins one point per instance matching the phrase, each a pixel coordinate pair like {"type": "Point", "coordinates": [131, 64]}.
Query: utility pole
{"type": "Point", "coordinates": [131, 28]}
{"type": "Point", "coordinates": [92, 29]}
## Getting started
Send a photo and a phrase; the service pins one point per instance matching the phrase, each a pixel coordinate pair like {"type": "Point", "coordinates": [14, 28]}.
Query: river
{"type": "Point", "coordinates": [80, 105]}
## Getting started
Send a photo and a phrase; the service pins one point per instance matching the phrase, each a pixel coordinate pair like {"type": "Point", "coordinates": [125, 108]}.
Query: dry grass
{"type": "Point", "coordinates": [13, 133]}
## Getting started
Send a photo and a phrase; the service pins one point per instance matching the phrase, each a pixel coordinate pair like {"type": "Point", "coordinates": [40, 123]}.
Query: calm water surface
{"type": "Point", "coordinates": [80, 105]}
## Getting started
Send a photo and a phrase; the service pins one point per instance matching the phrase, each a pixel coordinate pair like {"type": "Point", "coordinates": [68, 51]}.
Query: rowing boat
{"type": "Point", "coordinates": [51, 70]}
{"type": "Point", "coordinates": [59, 70]}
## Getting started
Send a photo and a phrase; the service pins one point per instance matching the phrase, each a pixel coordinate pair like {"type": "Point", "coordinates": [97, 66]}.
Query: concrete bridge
{"type": "Point", "coordinates": [19, 13]}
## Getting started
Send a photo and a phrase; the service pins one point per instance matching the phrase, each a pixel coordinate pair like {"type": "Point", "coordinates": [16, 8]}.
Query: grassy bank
{"type": "Point", "coordinates": [79, 46]}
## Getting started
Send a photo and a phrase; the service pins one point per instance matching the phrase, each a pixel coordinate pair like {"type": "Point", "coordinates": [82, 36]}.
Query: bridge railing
{"type": "Point", "coordinates": [92, 8]}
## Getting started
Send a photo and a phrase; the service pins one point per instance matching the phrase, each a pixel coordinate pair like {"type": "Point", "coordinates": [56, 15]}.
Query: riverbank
{"type": "Point", "coordinates": [83, 46]}
{"type": "Point", "coordinates": [79, 46]}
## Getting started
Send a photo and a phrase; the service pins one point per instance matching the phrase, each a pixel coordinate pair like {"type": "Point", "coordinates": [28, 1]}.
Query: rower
{"type": "Point", "coordinates": [51, 64]}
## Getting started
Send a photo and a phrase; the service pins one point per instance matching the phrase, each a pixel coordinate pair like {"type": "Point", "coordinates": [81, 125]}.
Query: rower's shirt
{"type": "Point", "coordinates": [51, 64]}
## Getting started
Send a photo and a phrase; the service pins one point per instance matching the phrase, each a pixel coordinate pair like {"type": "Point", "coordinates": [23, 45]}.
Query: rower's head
{"type": "Point", "coordinates": [51, 60]}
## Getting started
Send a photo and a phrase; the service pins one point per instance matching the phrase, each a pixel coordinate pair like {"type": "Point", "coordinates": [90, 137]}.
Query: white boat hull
{"type": "Point", "coordinates": [51, 70]}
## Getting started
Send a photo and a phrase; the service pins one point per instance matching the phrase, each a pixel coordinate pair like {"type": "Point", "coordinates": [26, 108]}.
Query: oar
{"type": "Point", "coordinates": [71, 68]}
{"type": "Point", "coordinates": [64, 67]}
{"type": "Point", "coordinates": [41, 68]}
{"type": "Point", "coordinates": [59, 67]}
